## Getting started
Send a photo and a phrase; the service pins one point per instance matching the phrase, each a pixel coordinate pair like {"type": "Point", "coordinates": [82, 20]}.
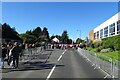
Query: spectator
{"type": "Point", "coordinates": [26, 46]}
{"type": "Point", "coordinates": [15, 53]}
{"type": "Point", "coordinates": [4, 53]}
{"type": "Point", "coordinates": [10, 58]}
{"type": "Point", "coordinates": [23, 46]}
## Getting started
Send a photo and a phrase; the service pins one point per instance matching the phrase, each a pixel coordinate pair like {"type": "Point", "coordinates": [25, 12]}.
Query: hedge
{"type": "Point", "coordinates": [111, 42]}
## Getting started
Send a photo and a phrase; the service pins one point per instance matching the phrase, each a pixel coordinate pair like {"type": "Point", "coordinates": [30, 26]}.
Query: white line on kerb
{"type": "Point", "coordinates": [54, 66]}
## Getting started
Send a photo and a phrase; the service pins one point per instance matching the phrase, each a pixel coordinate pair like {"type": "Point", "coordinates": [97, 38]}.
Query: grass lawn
{"type": "Point", "coordinates": [113, 55]}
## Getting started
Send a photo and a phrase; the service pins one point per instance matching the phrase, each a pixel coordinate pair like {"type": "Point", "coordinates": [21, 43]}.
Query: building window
{"type": "Point", "coordinates": [112, 29]}
{"type": "Point", "coordinates": [94, 36]}
{"type": "Point", "coordinates": [97, 34]}
{"type": "Point", "coordinates": [106, 31]}
{"type": "Point", "coordinates": [118, 27]}
{"type": "Point", "coordinates": [101, 33]}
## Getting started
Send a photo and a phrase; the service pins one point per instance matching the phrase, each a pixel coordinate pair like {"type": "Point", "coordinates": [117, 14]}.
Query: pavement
{"type": "Point", "coordinates": [54, 64]}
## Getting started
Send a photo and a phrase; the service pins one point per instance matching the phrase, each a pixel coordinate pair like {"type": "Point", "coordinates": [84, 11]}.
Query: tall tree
{"type": "Point", "coordinates": [9, 33]}
{"type": "Point", "coordinates": [37, 32]}
{"type": "Point", "coordinates": [45, 33]}
{"type": "Point", "coordinates": [64, 37]}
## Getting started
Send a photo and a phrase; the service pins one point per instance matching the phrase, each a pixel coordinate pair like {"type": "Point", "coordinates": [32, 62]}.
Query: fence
{"type": "Point", "coordinates": [102, 62]}
{"type": "Point", "coordinates": [30, 53]}
{"type": "Point", "coordinates": [116, 68]}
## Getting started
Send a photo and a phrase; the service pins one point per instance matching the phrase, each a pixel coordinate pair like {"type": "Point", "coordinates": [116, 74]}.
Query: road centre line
{"type": "Point", "coordinates": [48, 77]}
{"type": "Point", "coordinates": [64, 52]}
{"type": "Point", "coordinates": [51, 72]}
{"type": "Point", "coordinates": [59, 58]}
{"type": "Point", "coordinates": [61, 55]}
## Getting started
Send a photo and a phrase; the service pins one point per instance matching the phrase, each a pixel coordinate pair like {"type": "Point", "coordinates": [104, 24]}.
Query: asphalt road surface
{"type": "Point", "coordinates": [55, 64]}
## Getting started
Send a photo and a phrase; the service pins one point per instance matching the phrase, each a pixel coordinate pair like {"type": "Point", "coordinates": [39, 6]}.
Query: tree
{"type": "Point", "coordinates": [37, 32]}
{"type": "Point", "coordinates": [64, 37]}
{"type": "Point", "coordinates": [9, 33]}
{"type": "Point", "coordinates": [69, 41]}
{"type": "Point", "coordinates": [52, 37]}
{"type": "Point", "coordinates": [78, 41]}
{"type": "Point", "coordinates": [29, 32]}
{"type": "Point", "coordinates": [23, 37]}
{"type": "Point", "coordinates": [30, 39]}
{"type": "Point", "coordinates": [45, 34]}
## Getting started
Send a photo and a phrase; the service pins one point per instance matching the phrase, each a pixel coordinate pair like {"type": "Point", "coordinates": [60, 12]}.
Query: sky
{"type": "Point", "coordinates": [58, 16]}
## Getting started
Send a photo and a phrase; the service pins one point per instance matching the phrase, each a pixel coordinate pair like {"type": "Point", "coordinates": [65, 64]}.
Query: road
{"type": "Point", "coordinates": [55, 64]}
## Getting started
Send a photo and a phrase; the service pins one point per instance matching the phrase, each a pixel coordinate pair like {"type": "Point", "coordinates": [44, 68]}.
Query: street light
{"type": "Point", "coordinates": [80, 33]}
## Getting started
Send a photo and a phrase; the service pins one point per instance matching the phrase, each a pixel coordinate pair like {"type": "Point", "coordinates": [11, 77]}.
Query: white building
{"type": "Point", "coordinates": [110, 27]}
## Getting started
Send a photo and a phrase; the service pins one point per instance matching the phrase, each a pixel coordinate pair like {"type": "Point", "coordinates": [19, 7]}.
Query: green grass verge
{"type": "Point", "coordinates": [113, 55]}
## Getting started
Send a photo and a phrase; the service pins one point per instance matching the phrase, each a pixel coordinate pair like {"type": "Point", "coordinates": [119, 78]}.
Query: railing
{"type": "Point", "coordinates": [116, 68]}
{"type": "Point", "coordinates": [102, 62]}
{"type": "Point", "coordinates": [31, 53]}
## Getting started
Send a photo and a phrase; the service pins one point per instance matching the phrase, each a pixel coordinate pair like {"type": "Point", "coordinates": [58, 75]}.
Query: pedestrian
{"type": "Point", "coordinates": [10, 57]}
{"type": "Point", "coordinates": [4, 53]}
{"type": "Point", "coordinates": [16, 53]}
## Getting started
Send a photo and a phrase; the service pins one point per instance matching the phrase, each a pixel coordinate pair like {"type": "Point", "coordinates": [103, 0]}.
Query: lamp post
{"type": "Point", "coordinates": [80, 33]}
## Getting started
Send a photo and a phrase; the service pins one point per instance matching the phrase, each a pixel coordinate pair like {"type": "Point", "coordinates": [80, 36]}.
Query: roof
{"type": "Point", "coordinates": [55, 39]}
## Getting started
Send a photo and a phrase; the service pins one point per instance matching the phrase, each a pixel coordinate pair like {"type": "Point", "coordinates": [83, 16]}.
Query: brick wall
{"type": "Point", "coordinates": [91, 35]}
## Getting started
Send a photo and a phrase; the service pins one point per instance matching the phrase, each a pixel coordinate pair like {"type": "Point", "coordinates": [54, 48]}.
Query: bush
{"type": "Point", "coordinates": [99, 49]}
{"type": "Point", "coordinates": [92, 46]}
{"type": "Point", "coordinates": [111, 42]}
{"type": "Point", "coordinates": [97, 44]}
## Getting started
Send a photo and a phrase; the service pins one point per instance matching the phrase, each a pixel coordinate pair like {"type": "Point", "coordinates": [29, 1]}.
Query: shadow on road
{"type": "Point", "coordinates": [31, 66]}
{"type": "Point", "coordinates": [49, 50]}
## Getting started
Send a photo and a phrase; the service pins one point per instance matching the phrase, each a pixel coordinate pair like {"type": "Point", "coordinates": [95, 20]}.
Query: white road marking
{"type": "Point", "coordinates": [96, 66]}
{"type": "Point", "coordinates": [105, 73]}
{"type": "Point", "coordinates": [64, 52]}
{"type": "Point", "coordinates": [48, 77]}
{"type": "Point", "coordinates": [51, 72]}
{"type": "Point", "coordinates": [106, 76]}
{"type": "Point", "coordinates": [61, 55]}
{"type": "Point", "coordinates": [59, 58]}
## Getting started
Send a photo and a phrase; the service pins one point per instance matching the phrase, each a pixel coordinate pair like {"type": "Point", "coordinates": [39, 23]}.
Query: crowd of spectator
{"type": "Point", "coordinates": [11, 51]}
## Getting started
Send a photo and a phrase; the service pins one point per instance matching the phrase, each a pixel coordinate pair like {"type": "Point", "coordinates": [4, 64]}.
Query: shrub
{"type": "Point", "coordinates": [92, 46]}
{"type": "Point", "coordinates": [99, 49]}
{"type": "Point", "coordinates": [97, 44]}
{"type": "Point", "coordinates": [111, 42]}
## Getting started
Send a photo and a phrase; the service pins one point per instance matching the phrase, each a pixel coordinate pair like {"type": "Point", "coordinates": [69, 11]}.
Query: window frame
{"type": "Point", "coordinates": [101, 33]}
{"type": "Point", "coordinates": [112, 29]}
{"type": "Point", "coordinates": [106, 31]}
